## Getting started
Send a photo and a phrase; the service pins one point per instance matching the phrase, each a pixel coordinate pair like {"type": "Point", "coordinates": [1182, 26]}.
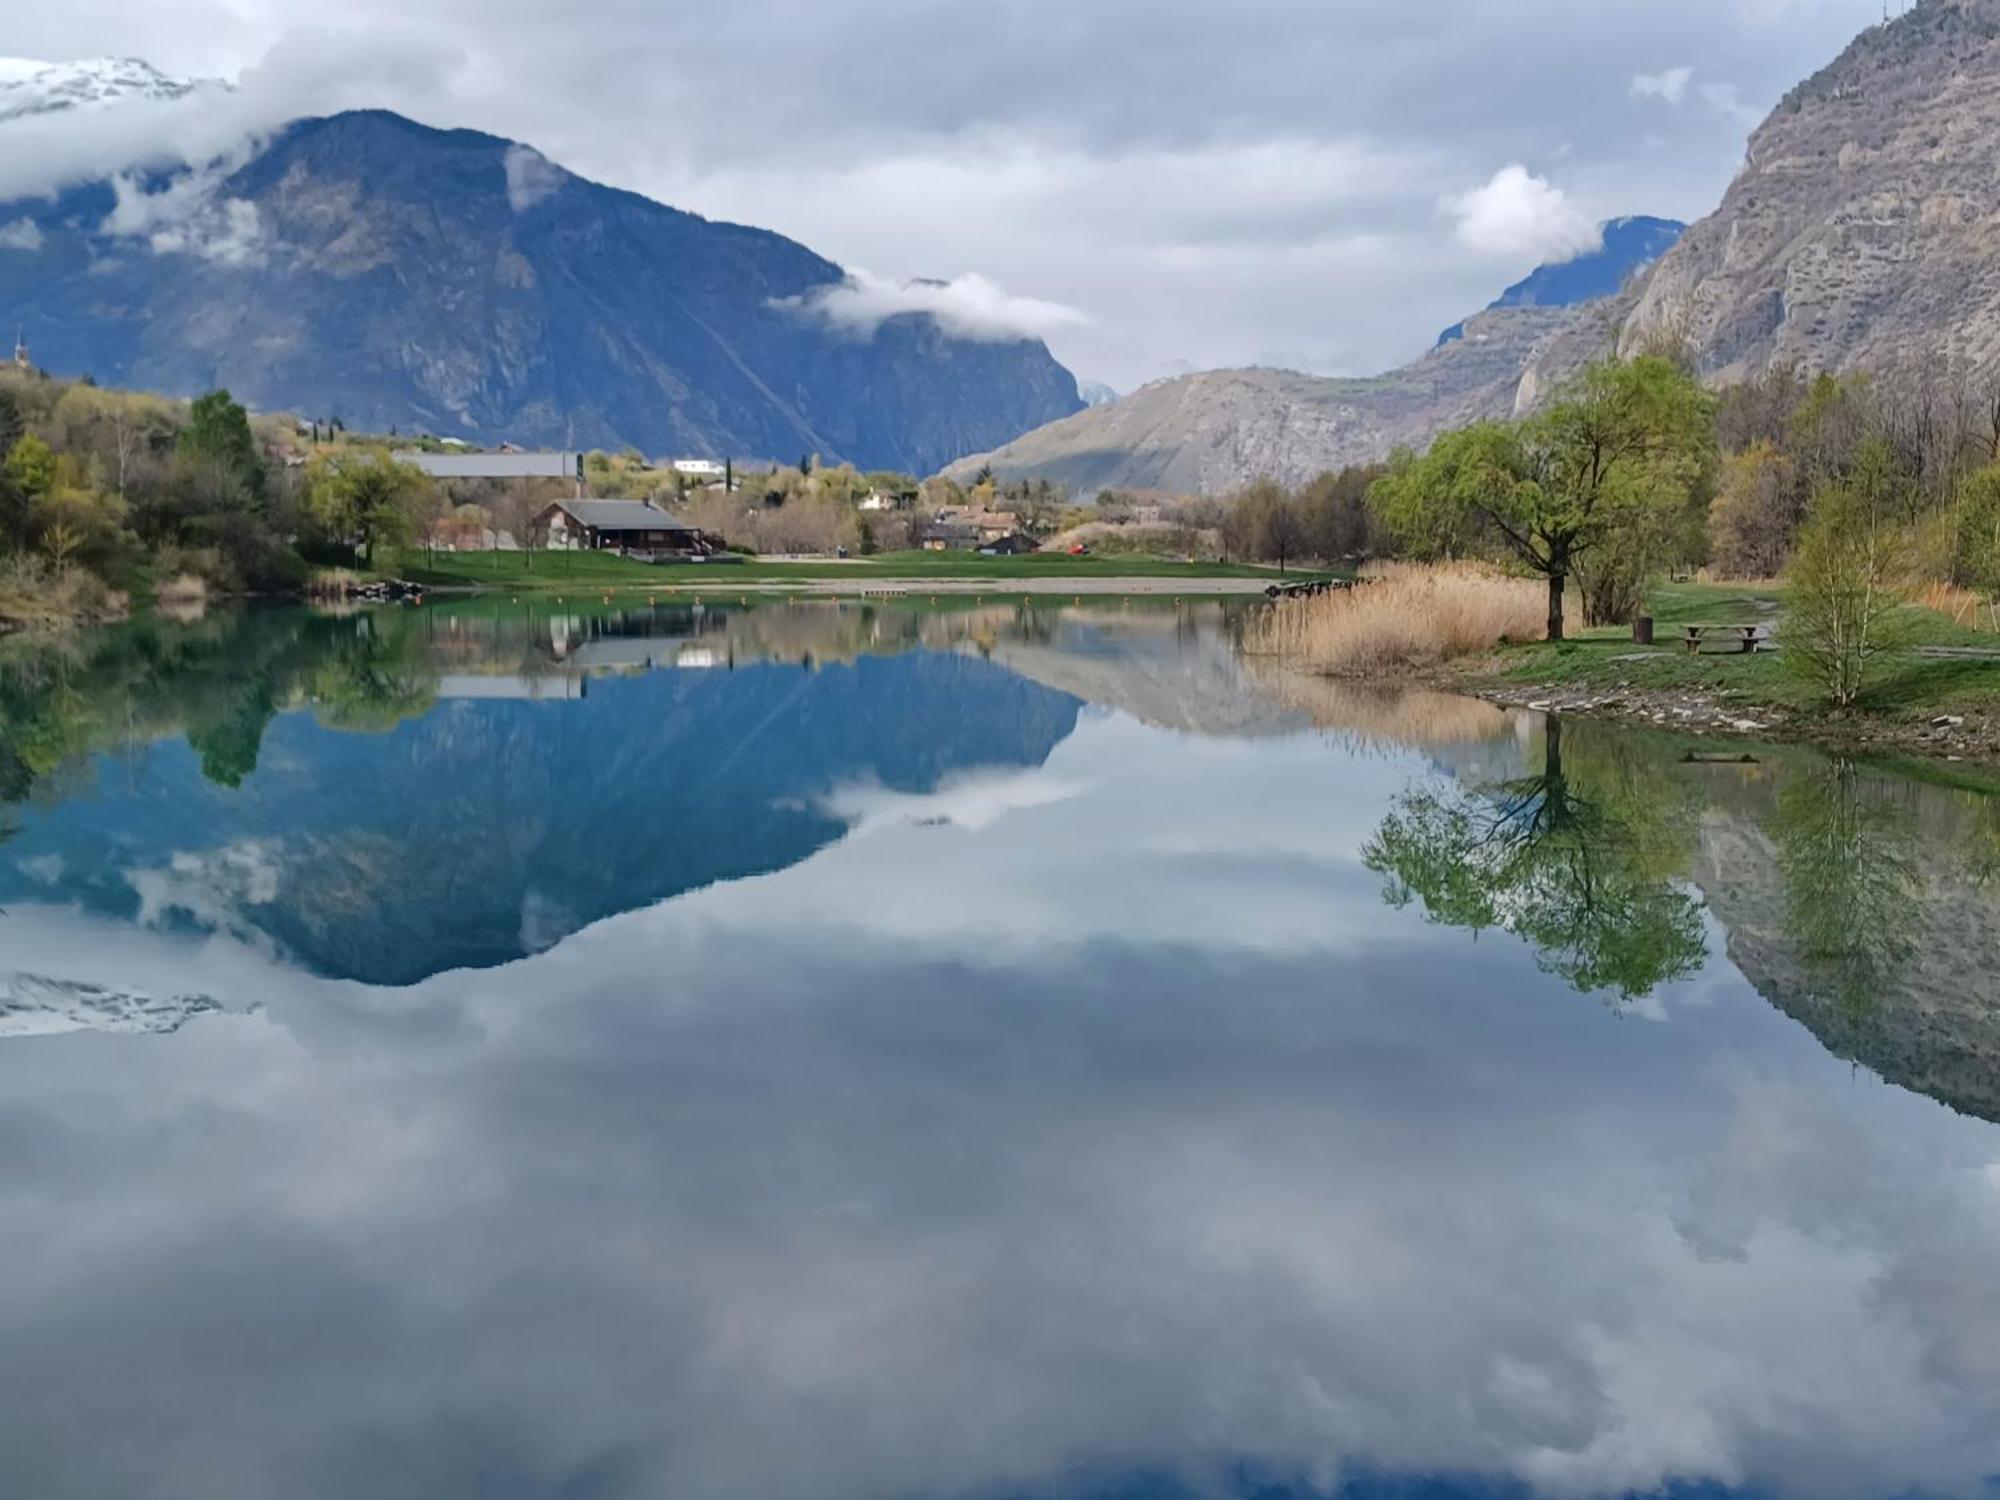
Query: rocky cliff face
{"type": "Point", "coordinates": [1864, 226]}
{"type": "Point", "coordinates": [372, 268]}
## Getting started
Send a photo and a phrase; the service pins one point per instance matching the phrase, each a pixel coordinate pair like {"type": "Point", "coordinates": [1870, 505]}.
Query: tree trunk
{"type": "Point", "coordinates": [1557, 583]}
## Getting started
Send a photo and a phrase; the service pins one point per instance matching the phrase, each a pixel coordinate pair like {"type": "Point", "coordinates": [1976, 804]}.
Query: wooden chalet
{"type": "Point", "coordinates": [635, 527]}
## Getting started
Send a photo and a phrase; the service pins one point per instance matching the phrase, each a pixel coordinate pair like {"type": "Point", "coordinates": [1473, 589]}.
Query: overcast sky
{"type": "Point", "coordinates": [1154, 185]}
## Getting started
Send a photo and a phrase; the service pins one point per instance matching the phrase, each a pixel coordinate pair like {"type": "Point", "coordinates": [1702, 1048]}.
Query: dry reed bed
{"type": "Point", "coordinates": [1404, 615]}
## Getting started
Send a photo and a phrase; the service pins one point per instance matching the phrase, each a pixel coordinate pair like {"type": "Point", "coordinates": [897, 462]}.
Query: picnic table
{"type": "Point", "coordinates": [1744, 637]}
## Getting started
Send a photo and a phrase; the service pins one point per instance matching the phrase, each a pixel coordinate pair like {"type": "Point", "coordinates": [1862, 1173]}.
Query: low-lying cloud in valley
{"type": "Point", "coordinates": [968, 307]}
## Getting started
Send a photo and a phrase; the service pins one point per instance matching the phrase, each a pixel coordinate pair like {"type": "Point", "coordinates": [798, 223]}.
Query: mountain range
{"type": "Point", "coordinates": [1863, 232]}
{"type": "Point", "coordinates": [401, 277]}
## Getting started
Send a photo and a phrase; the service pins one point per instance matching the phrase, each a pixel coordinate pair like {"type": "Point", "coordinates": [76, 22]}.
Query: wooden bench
{"type": "Point", "coordinates": [1745, 637]}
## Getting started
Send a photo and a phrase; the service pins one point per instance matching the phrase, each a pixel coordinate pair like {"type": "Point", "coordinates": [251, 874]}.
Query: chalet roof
{"type": "Point", "coordinates": [622, 515]}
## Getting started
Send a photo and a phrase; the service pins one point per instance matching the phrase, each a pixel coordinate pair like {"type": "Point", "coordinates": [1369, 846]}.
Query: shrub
{"type": "Point", "coordinates": [1403, 615]}
{"type": "Point", "coordinates": [34, 593]}
{"type": "Point", "coordinates": [1849, 580]}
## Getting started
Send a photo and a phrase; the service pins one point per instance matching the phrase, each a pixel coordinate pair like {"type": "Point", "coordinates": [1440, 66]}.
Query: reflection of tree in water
{"type": "Point", "coordinates": [1852, 889]}
{"type": "Point", "coordinates": [1581, 861]}
{"type": "Point", "coordinates": [375, 676]}
{"type": "Point", "coordinates": [219, 682]}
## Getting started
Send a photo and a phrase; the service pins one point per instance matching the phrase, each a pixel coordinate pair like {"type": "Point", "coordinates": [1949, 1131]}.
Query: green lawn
{"type": "Point", "coordinates": [517, 570]}
{"type": "Point", "coordinates": [1606, 658]}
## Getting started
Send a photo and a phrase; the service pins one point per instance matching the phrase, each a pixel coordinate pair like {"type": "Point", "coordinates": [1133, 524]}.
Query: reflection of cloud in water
{"type": "Point", "coordinates": [973, 801]}
{"type": "Point", "coordinates": [962, 1161]}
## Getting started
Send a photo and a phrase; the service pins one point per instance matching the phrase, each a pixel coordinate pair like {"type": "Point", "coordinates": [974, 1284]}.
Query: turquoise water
{"type": "Point", "coordinates": [1006, 1051]}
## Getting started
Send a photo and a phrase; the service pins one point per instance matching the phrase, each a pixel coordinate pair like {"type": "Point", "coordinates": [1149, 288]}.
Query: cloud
{"type": "Point", "coordinates": [22, 234]}
{"type": "Point", "coordinates": [967, 307]}
{"type": "Point", "coordinates": [1669, 87]}
{"type": "Point", "coordinates": [188, 216]}
{"type": "Point", "coordinates": [531, 177]}
{"type": "Point", "coordinates": [1519, 215]}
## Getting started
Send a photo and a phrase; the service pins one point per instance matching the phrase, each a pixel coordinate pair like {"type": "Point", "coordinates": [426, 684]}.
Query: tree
{"type": "Point", "coordinates": [218, 428]}
{"type": "Point", "coordinates": [518, 512]}
{"type": "Point", "coordinates": [31, 468]}
{"type": "Point", "coordinates": [1849, 577]}
{"type": "Point", "coordinates": [13, 426]}
{"type": "Point", "coordinates": [1621, 445]}
{"type": "Point", "coordinates": [1756, 512]}
{"type": "Point", "coordinates": [365, 497]}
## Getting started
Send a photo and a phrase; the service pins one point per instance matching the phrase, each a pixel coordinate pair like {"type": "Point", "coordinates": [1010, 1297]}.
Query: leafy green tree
{"type": "Point", "coordinates": [1619, 447]}
{"type": "Point", "coordinates": [1850, 576]}
{"type": "Point", "coordinates": [31, 468]}
{"type": "Point", "coordinates": [363, 496]}
{"type": "Point", "coordinates": [1589, 880]}
{"type": "Point", "coordinates": [218, 429]}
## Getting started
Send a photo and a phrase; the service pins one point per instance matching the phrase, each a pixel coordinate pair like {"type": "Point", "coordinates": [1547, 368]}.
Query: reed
{"type": "Point", "coordinates": [1403, 615]}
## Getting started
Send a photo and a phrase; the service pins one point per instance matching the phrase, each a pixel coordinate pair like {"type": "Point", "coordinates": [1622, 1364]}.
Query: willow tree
{"type": "Point", "coordinates": [1617, 452]}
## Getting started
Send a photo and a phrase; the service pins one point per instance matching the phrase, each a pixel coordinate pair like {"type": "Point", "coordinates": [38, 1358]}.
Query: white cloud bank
{"type": "Point", "coordinates": [967, 307]}
{"type": "Point", "coordinates": [1518, 215]}
{"type": "Point", "coordinates": [1669, 87]}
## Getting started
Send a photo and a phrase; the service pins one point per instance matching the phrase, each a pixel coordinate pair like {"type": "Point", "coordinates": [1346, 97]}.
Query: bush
{"type": "Point", "coordinates": [34, 593]}
{"type": "Point", "coordinates": [1405, 615]}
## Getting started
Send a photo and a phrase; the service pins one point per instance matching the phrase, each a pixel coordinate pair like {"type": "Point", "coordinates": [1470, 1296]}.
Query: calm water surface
{"type": "Point", "coordinates": [869, 1054]}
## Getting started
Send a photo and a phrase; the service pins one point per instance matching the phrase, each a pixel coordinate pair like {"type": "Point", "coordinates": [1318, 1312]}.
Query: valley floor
{"type": "Point", "coordinates": [943, 572]}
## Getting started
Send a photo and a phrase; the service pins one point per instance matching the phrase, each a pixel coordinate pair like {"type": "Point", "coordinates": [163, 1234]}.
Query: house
{"type": "Point", "coordinates": [949, 536]}
{"type": "Point", "coordinates": [970, 526]}
{"type": "Point", "coordinates": [699, 468]}
{"type": "Point", "coordinates": [1014, 544]}
{"type": "Point", "coordinates": [621, 526]}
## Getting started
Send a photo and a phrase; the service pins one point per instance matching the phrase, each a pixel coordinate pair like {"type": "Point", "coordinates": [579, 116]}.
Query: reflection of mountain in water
{"type": "Point", "coordinates": [36, 1005]}
{"type": "Point", "coordinates": [1888, 947]}
{"type": "Point", "coordinates": [486, 829]}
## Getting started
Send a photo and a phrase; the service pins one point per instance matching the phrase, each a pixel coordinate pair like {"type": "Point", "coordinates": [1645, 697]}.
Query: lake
{"type": "Point", "coordinates": [996, 1051]}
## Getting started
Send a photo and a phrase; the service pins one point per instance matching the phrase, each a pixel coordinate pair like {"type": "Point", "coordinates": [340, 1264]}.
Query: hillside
{"type": "Point", "coordinates": [396, 276]}
{"type": "Point", "coordinates": [1215, 430]}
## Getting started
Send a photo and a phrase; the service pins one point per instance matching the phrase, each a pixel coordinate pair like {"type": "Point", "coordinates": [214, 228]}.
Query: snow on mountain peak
{"type": "Point", "coordinates": [29, 87]}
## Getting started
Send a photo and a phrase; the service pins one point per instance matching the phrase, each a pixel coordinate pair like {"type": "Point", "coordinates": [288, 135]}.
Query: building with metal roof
{"type": "Point", "coordinates": [497, 465]}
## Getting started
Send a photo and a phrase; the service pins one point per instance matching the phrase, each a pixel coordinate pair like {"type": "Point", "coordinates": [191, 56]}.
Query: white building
{"type": "Point", "coordinates": [699, 468]}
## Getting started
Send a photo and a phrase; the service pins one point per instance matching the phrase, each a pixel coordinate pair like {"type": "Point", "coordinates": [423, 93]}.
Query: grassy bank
{"type": "Point", "coordinates": [1604, 670]}
{"type": "Point", "coordinates": [517, 571]}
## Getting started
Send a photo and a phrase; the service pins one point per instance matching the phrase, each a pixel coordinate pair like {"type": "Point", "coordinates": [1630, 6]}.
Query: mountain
{"type": "Point", "coordinates": [1863, 232]}
{"type": "Point", "coordinates": [1218, 429]}
{"type": "Point", "coordinates": [28, 87]}
{"type": "Point", "coordinates": [368, 267]}
{"type": "Point", "coordinates": [1630, 245]}
{"type": "Point", "coordinates": [1095, 393]}
{"type": "Point", "coordinates": [1215, 430]}
{"type": "Point", "coordinates": [1864, 227]}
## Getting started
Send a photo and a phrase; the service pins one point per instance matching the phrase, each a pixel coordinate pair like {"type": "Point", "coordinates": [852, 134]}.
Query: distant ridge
{"type": "Point", "coordinates": [1630, 246]}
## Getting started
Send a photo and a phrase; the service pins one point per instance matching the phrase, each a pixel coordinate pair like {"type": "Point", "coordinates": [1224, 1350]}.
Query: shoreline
{"type": "Point", "coordinates": [1960, 736]}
